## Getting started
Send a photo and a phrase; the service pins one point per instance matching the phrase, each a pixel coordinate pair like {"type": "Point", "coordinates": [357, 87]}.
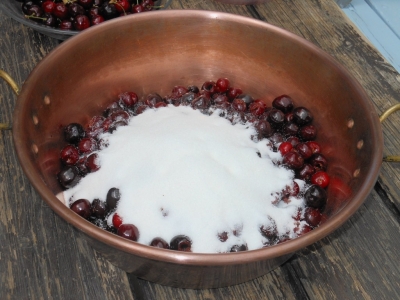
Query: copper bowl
{"type": "Point", "coordinates": [155, 51]}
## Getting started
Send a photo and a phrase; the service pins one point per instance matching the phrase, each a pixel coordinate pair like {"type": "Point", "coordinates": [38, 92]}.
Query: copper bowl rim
{"type": "Point", "coordinates": [183, 257]}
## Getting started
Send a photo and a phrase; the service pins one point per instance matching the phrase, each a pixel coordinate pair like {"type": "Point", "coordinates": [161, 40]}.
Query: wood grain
{"type": "Point", "coordinates": [40, 257]}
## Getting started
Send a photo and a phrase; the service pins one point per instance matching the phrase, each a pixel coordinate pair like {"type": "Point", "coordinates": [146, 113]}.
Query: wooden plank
{"type": "Point", "coordinates": [40, 257]}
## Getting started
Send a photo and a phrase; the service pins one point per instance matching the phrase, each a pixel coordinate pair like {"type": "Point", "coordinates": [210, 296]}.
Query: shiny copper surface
{"type": "Point", "coordinates": [155, 51]}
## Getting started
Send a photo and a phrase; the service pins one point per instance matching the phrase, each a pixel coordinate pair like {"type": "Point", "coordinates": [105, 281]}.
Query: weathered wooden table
{"type": "Point", "coordinates": [40, 257]}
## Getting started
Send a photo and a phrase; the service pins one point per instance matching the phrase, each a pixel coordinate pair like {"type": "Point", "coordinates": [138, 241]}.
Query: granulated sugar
{"type": "Point", "coordinates": [182, 172]}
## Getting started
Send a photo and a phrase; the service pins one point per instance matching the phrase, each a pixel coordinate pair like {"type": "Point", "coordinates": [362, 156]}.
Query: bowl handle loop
{"type": "Point", "coordinates": [14, 86]}
{"type": "Point", "coordinates": [387, 113]}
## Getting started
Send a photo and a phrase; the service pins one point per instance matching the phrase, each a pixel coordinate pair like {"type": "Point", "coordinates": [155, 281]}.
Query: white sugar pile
{"type": "Point", "coordinates": [182, 172]}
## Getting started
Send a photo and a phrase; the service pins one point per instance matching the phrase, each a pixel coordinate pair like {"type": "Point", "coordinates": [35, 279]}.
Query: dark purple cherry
{"type": "Point", "coordinates": [187, 98]}
{"type": "Point", "coordinates": [306, 172]}
{"type": "Point", "coordinates": [128, 231]}
{"type": "Point", "coordinates": [312, 216]}
{"type": "Point", "coordinates": [315, 196]}
{"type": "Point", "coordinates": [74, 9]}
{"type": "Point", "coordinates": [159, 243]}
{"type": "Point", "coordinates": [152, 99]}
{"type": "Point", "coordinates": [82, 208]}
{"type": "Point", "coordinates": [319, 162]}
{"type": "Point", "coordinates": [263, 129]}
{"type": "Point", "coordinates": [304, 150]}
{"type": "Point", "coordinates": [302, 116]}
{"type": "Point", "coordinates": [239, 105]}
{"type": "Point", "coordinates": [276, 117]}
{"type": "Point", "coordinates": [49, 19]}
{"type": "Point", "coordinates": [308, 133]}
{"type": "Point", "coordinates": [238, 248]}
{"type": "Point", "coordinates": [201, 102]}
{"type": "Point", "coordinates": [290, 129]}
{"type": "Point", "coordinates": [99, 208]}
{"type": "Point", "coordinates": [113, 196]}
{"type": "Point", "coordinates": [276, 139]}
{"type": "Point", "coordinates": [27, 5]}
{"type": "Point", "coordinates": [194, 89]}
{"type": "Point", "coordinates": [181, 243]}
{"type": "Point", "coordinates": [35, 11]}
{"type": "Point", "coordinates": [246, 98]}
{"type": "Point", "coordinates": [73, 133]}
{"type": "Point", "coordinates": [284, 103]}
{"type": "Point", "coordinates": [294, 140]}
{"type": "Point", "coordinates": [109, 11]}
{"type": "Point", "coordinates": [69, 176]}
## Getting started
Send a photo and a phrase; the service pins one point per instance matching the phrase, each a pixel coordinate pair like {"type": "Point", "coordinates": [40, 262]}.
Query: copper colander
{"type": "Point", "coordinates": [151, 53]}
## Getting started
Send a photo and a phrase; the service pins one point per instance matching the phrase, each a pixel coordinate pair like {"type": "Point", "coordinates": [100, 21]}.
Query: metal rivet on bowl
{"type": "Point", "coordinates": [356, 173]}
{"type": "Point", "coordinates": [360, 144]}
{"type": "Point", "coordinates": [35, 149]}
{"type": "Point", "coordinates": [46, 100]}
{"type": "Point", "coordinates": [35, 119]}
{"type": "Point", "coordinates": [350, 123]}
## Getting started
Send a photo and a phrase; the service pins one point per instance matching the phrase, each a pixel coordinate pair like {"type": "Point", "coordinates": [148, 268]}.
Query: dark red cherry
{"type": "Point", "coordinates": [285, 147]}
{"type": "Point", "coordinates": [293, 160]}
{"type": "Point", "coordinates": [257, 108]}
{"type": "Point", "coordinates": [246, 98]}
{"type": "Point", "coordinates": [209, 86]}
{"type": "Point", "coordinates": [201, 102]}
{"type": "Point", "coordinates": [269, 231]}
{"type": "Point", "coordinates": [193, 88]}
{"type": "Point", "coordinates": [86, 3]}
{"type": "Point", "coordinates": [109, 11]}
{"type": "Point", "coordinates": [181, 243]}
{"type": "Point", "coordinates": [319, 162]}
{"type": "Point", "coordinates": [48, 19]}
{"type": "Point", "coordinates": [128, 231]}
{"type": "Point", "coordinates": [99, 208]}
{"type": "Point", "coordinates": [276, 138]}
{"type": "Point", "coordinates": [87, 145]}
{"type": "Point", "coordinates": [179, 91]}
{"type": "Point", "coordinates": [306, 172]}
{"type": "Point", "coordinates": [113, 196]}
{"type": "Point", "coordinates": [69, 176]}
{"type": "Point", "coordinates": [159, 243]}
{"type": "Point", "coordinates": [314, 146]}
{"type": "Point", "coordinates": [187, 98]}
{"type": "Point", "coordinates": [122, 6]}
{"type": "Point", "coordinates": [60, 11]}
{"type": "Point", "coordinates": [148, 5]}
{"type": "Point", "coordinates": [73, 133]}
{"type": "Point", "coordinates": [283, 103]}
{"type": "Point", "coordinates": [294, 140]}
{"type": "Point", "coordinates": [152, 99]}
{"type": "Point", "coordinates": [137, 8]}
{"type": "Point", "coordinates": [238, 248]}
{"type": "Point", "coordinates": [222, 85]}
{"type": "Point", "coordinates": [304, 150]}
{"type": "Point", "coordinates": [308, 133]}
{"type": "Point", "coordinates": [82, 208]}
{"type": "Point", "coordinates": [140, 108]}
{"type": "Point", "coordinates": [276, 117]}
{"type": "Point", "coordinates": [312, 216]}
{"type": "Point", "coordinates": [69, 155]}
{"type": "Point", "coordinates": [239, 105]}
{"type": "Point", "coordinates": [302, 116]}
{"type": "Point", "coordinates": [315, 196]}
{"type": "Point", "coordinates": [219, 99]}
{"type": "Point", "coordinates": [48, 6]}
{"type": "Point", "coordinates": [92, 163]}
{"type": "Point", "coordinates": [290, 129]}
{"type": "Point", "coordinates": [233, 93]}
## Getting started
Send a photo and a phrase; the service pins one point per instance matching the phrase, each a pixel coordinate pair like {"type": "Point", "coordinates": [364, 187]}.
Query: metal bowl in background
{"type": "Point", "coordinates": [13, 9]}
{"type": "Point", "coordinates": [78, 80]}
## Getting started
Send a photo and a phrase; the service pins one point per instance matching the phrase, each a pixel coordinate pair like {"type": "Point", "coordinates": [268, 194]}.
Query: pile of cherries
{"type": "Point", "coordinates": [81, 14]}
{"type": "Point", "coordinates": [286, 128]}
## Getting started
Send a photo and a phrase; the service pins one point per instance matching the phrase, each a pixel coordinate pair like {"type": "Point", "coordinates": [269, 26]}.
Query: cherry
{"type": "Point", "coordinates": [269, 231]}
{"type": "Point", "coordinates": [304, 150]}
{"type": "Point", "coordinates": [48, 19]}
{"type": "Point", "coordinates": [289, 117]}
{"type": "Point", "coordinates": [305, 229]}
{"type": "Point", "coordinates": [302, 115]}
{"type": "Point", "coordinates": [320, 178]}
{"type": "Point", "coordinates": [69, 155]}
{"type": "Point", "coordinates": [86, 3]}
{"type": "Point", "coordinates": [122, 6]}
{"type": "Point", "coordinates": [97, 19]}
{"type": "Point", "coordinates": [35, 11]}
{"type": "Point", "coordinates": [87, 145]}
{"type": "Point", "coordinates": [293, 160]}
{"type": "Point", "coordinates": [26, 6]}
{"type": "Point", "coordinates": [222, 85]}
{"type": "Point", "coordinates": [233, 93]}
{"type": "Point", "coordinates": [276, 117]}
{"type": "Point", "coordinates": [81, 22]}
{"type": "Point", "coordinates": [219, 99]}
{"type": "Point", "coordinates": [152, 99]}
{"type": "Point", "coordinates": [74, 9]}
{"type": "Point", "coordinates": [48, 6]}
{"type": "Point", "coordinates": [201, 102]}
{"type": "Point", "coordinates": [312, 216]}
{"type": "Point", "coordinates": [69, 176]}
{"type": "Point", "coordinates": [308, 132]}
{"type": "Point", "coordinates": [294, 140]}
{"type": "Point", "coordinates": [147, 4]}
{"type": "Point", "coordinates": [116, 220]}
{"type": "Point", "coordinates": [137, 9]}
{"type": "Point", "coordinates": [209, 86]}
{"type": "Point", "coordinates": [290, 129]}
{"type": "Point", "coordinates": [306, 172]}
{"type": "Point", "coordinates": [82, 208]}
{"type": "Point", "coordinates": [263, 129]}
{"type": "Point", "coordinates": [315, 196]}
{"type": "Point", "coordinates": [238, 248]}
{"type": "Point", "coordinates": [98, 208]}
{"type": "Point", "coordinates": [109, 11]}
{"type": "Point", "coordinates": [179, 91]}
{"type": "Point", "coordinates": [140, 108]}
{"type": "Point", "coordinates": [246, 98]}
{"type": "Point", "coordinates": [239, 105]}
{"type": "Point", "coordinates": [283, 103]}
{"type": "Point", "coordinates": [113, 196]}
{"type": "Point", "coordinates": [73, 133]}
{"type": "Point", "coordinates": [193, 88]}
{"type": "Point", "coordinates": [276, 138]}
{"type": "Point", "coordinates": [159, 243]}
{"type": "Point", "coordinates": [319, 162]}
{"type": "Point", "coordinates": [257, 108]}
{"type": "Point", "coordinates": [92, 163]}
{"type": "Point", "coordinates": [128, 231]}
{"type": "Point", "coordinates": [60, 11]}
{"type": "Point", "coordinates": [314, 146]}
{"type": "Point", "coordinates": [285, 147]}
{"type": "Point", "coordinates": [181, 243]}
